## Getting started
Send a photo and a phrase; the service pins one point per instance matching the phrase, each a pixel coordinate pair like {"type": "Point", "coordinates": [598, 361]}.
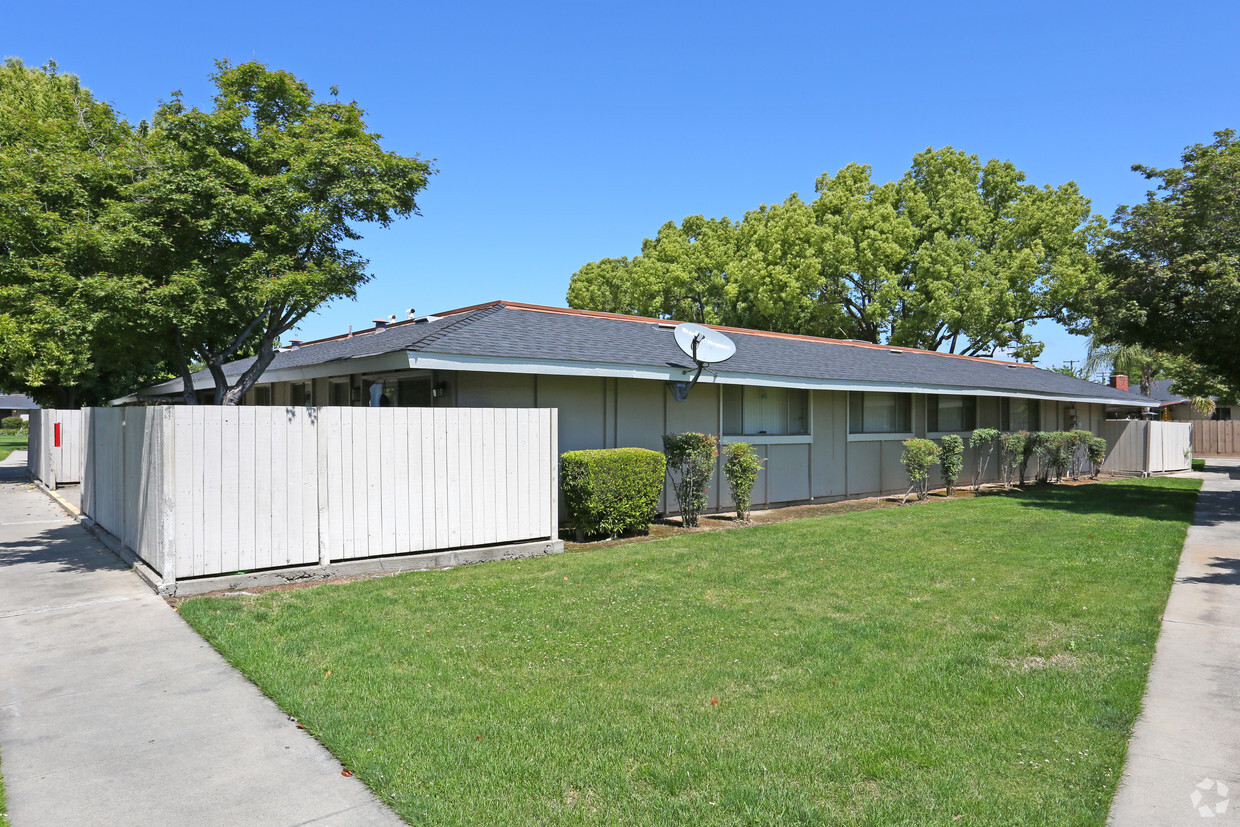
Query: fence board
{"type": "Point", "coordinates": [1135, 446]}
{"type": "Point", "coordinates": [1213, 438]}
{"type": "Point", "coordinates": [250, 488]}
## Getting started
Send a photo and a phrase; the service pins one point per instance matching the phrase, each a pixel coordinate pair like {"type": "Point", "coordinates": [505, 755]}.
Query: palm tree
{"type": "Point", "coordinates": [1134, 360]}
{"type": "Point", "coordinates": [1130, 360]}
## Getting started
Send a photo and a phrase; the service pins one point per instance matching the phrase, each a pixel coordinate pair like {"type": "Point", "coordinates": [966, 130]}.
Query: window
{"type": "Point", "coordinates": [1020, 414]}
{"type": "Point", "coordinates": [945, 414]}
{"type": "Point", "coordinates": [300, 394]}
{"type": "Point", "coordinates": [414, 392]}
{"type": "Point", "coordinates": [755, 411]}
{"type": "Point", "coordinates": [338, 394]}
{"type": "Point", "coordinates": [871, 412]}
{"type": "Point", "coordinates": [262, 395]}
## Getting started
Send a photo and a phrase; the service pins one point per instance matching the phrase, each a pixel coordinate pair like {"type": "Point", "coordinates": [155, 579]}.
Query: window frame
{"type": "Point", "coordinates": [867, 436]}
{"type": "Point", "coordinates": [938, 432]}
{"type": "Point", "coordinates": [767, 439]}
{"type": "Point", "coordinates": [1005, 414]}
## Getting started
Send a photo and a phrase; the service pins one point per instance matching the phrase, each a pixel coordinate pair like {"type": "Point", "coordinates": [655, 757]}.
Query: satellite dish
{"type": "Point", "coordinates": [704, 346]}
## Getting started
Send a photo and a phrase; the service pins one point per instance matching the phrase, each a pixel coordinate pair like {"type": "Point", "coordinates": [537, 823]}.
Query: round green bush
{"type": "Point", "coordinates": [612, 491]}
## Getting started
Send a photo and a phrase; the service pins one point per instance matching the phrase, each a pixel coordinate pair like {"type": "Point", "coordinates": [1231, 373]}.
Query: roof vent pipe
{"type": "Point", "coordinates": [294, 344]}
{"type": "Point", "coordinates": [380, 324]}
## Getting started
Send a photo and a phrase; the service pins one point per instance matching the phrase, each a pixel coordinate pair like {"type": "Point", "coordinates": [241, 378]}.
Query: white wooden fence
{"type": "Point", "coordinates": [1135, 446]}
{"type": "Point", "coordinates": [202, 490]}
{"type": "Point", "coordinates": [56, 446]}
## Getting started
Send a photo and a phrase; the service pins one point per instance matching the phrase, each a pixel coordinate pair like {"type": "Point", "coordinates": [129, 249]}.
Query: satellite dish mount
{"type": "Point", "coordinates": [704, 346]}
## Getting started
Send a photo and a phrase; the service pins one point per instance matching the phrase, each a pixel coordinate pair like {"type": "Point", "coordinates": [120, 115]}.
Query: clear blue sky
{"type": "Point", "coordinates": [566, 132]}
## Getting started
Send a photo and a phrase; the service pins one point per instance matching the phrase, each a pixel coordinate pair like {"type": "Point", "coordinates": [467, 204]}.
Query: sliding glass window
{"type": "Point", "coordinates": [756, 411]}
{"type": "Point", "coordinates": [949, 414]}
{"type": "Point", "coordinates": [876, 412]}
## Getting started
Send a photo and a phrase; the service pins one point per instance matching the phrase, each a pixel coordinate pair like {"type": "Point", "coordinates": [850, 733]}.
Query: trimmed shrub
{"type": "Point", "coordinates": [1097, 452]}
{"type": "Point", "coordinates": [612, 491]}
{"type": "Point", "coordinates": [1034, 441]}
{"type": "Point", "coordinates": [741, 466]}
{"type": "Point", "coordinates": [1012, 456]}
{"type": "Point", "coordinates": [919, 454]}
{"type": "Point", "coordinates": [690, 464]}
{"type": "Point", "coordinates": [983, 441]}
{"type": "Point", "coordinates": [12, 423]}
{"type": "Point", "coordinates": [1079, 457]}
{"type": "Point", "coordinates": [1055, 455]}
{"type": "Point", "coordinates": [951, 457]}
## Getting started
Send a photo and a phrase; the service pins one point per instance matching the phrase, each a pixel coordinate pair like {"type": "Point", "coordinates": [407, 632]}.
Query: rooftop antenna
{"type": "Point", "coordinates": [704, 346]}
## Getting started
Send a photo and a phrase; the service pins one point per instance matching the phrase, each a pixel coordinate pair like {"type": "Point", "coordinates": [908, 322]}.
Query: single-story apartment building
{"type": "Point", "coordinates": [826, 415]}
{"type": "Point", "coordinates": [16, 404]}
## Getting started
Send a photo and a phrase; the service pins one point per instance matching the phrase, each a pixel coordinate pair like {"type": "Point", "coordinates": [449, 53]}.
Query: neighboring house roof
{"type": "Point", "coordinates": [522, 338]}
{"type": "Point", "coordinates": [1161, 395]}
{"type": "Point", "coordinates": [17, 401]}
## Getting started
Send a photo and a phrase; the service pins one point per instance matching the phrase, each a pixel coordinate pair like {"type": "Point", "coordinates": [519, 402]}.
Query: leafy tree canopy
{"type": "Point", "coordinates": [73, 329]}
{"type": "Point", "coordinates": [246, 211]}
{"type": "Point", "coordinates": [956, 255]}
{"type": "Point", "coordinates": [1172, 268]}
{"type": "Point", "coordinates": [129, 253]}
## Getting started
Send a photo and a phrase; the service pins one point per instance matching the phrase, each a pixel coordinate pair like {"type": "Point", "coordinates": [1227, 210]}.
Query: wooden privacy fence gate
{"type": "Point", "coordinates": [54, 452]}
{"type": "Point", "coordinates": [1216, 438]}
{"type": "Point", "coordinates": [204, 490]}
{"type": "Point", "coordinates": [1136, 446]}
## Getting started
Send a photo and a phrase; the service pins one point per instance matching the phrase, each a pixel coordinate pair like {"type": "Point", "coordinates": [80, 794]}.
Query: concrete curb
{"type": "Point", "coordinates": [374, 565]}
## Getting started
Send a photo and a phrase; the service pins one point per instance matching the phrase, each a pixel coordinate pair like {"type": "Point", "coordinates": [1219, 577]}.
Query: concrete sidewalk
{"type": "Point", "coordinates": [113, 711]}
{"type": "Point", "coordinates": [1187, 739]}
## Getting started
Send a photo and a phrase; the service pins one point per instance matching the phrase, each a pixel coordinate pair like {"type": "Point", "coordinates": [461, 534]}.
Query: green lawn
{"type": "Point", "coordinates": [10, 443]}
{"type": "Point", "coordinates": [974, 662]}
{"type": "Point", "coordinates": [4, 811]}
{"type": "Point", "coordinates": [1199, 465]}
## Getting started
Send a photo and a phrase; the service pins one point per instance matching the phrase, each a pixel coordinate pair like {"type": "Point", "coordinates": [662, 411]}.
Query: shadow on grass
{"type": "Point", "coordinates": [1226, 573]}
{"type": "Point", "coordinates": [1151, 502]}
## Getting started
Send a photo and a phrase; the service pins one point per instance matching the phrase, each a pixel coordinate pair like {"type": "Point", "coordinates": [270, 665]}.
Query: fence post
{"type": "Point", "coordinates": [167, 498]}
{"type": "Point", "coordinates": [51, 452]}
{"type": "Point", "coordinates": [555, 474]}
{"type": "Point", "coordinates": [321, 487]}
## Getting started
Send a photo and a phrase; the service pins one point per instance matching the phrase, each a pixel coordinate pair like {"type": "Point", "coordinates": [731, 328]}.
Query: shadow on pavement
{"type": "Point", "coordinates": [68, 546]}
{"type": "Point", "coordinates": [1227, 573]}
{"type": "Point", "coordinates": [14, 473]}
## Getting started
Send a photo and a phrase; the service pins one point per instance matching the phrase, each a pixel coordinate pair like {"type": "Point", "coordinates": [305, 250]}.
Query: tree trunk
{"type": "Point", "coordinates": [187, 378]}
{"type": "Point", "coordinates": [266, 352]}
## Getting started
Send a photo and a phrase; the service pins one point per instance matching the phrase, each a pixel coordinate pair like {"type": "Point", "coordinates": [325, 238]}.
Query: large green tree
{"type": "Point", "coordinates": [75, 326]}
{"type": "Point", "coordinates": [1172, 267]}
{"type": "Point", "coordinates": [956, 255]}
{"type": "Point", "coordinates": [130, 253]}
{"type": "Point", "coordinates": [247, 209]}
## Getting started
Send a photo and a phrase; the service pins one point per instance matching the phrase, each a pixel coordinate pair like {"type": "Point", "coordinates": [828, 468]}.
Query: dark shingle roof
{"type": "Point", "coordinates": [1160, 393]}
{"type": "Point", "coordinates": [17, 401]}
{"type": "Point", "coordinates": [525, 332]}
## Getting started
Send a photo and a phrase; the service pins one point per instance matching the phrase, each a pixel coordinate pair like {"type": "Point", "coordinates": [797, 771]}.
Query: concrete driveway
{"type": "Point", "coordinates": [113, 711]}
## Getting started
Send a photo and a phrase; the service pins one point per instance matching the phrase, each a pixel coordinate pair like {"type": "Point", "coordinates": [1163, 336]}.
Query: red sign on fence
{"type": "Point", "coordinates": [57, 435]}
